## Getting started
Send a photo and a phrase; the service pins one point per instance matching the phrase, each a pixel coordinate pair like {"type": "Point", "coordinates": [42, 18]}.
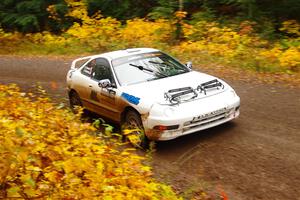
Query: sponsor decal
{"type": "Point", "coordinates": [130, 98]}
{"type": "Point", "coordinates": [208, 115]}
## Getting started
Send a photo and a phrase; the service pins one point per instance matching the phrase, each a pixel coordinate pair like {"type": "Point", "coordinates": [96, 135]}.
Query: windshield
{"type": "Point", "coordinates": [146, 67]}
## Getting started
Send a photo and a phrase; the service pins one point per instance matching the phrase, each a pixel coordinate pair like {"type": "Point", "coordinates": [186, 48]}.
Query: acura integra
{"type": "Point", "coordinates": [147, 89]}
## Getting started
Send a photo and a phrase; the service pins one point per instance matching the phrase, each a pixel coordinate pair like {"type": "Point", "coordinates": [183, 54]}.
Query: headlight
{"type": "Point", "coordinates": [233, 93]}
{"type": "Point", "coordinates": [168, 111]}
{"type": "Point", "coordinates": [162, 110]}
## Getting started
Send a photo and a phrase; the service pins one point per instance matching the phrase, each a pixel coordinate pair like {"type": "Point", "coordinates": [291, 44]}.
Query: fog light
{"type": "Point", "coordinates": [164, 128]}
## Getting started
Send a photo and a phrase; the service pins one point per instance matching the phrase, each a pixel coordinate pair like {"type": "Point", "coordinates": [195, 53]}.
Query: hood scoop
{"type": "Point", "coordinates": [179, 95]}
{"type": "Point", "coordinates": [214, 84]}
{"type": "Point", "coordinates": [175, 96]}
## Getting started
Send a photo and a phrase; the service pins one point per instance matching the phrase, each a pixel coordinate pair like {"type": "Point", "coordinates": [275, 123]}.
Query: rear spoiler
{"type": "Point", "coordinates": [73, 65]}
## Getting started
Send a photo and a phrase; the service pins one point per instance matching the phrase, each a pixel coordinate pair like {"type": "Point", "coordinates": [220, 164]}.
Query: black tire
{"type": "Point", "coordinates": [75, 101]}
{"type": "Point", "coordinates": [132, 120]}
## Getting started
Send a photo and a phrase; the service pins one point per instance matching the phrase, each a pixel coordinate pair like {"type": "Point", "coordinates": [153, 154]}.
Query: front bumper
{"type": "Point", "coordinates": [191, 117]}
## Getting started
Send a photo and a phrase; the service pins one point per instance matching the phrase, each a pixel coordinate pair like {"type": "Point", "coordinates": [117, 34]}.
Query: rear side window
{"type": "Point", "coordinates": [87, 70]}
{"type": "Point", "coordinates": [81, 62]}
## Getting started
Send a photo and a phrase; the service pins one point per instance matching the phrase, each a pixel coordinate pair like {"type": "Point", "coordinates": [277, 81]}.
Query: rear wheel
{"type": "Point", "coordinates": [133, 130]}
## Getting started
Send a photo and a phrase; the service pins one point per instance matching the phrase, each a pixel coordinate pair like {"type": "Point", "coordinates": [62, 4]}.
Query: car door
{"type": "Point", "coordinates": [104, 98]}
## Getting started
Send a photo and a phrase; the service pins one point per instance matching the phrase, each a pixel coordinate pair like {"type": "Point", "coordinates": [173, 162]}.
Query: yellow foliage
{"type": "Point", "coordinates": [46, 152]}
{"type": "Point", "coordinates": [210, 38]}
{"type": "Point", "coordinates": [95, 28]}
{"type": "Point", "coordinates": [272, 54]}
{"type": "Point", "coordinates": [77, 9]}
{"type": "Point", "coordinates": [94, 31]}
{"type": "Point", "coordinates": [291, 27]}
{"type": "Point", "coordinates": [48, 39]}
{"type": "Point", "coordinates": [290, 58]}
{"type": "Point", "coordinates": [9, 38]}
{"type": "Point", "coordinates": [140, 32]}
{"type": "Point", "coordinates": [180, 14]}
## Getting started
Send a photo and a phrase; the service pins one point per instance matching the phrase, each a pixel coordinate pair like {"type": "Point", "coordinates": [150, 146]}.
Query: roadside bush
{"type": "Point", "coordinates": [9, 39]}
{"type": "Point", "coordinates": [241, 47]}
{"type": "Point", "coordinates": [46, 152]}
{"type": "Point", "coordinates": [286, 52]}
{"type": "Point", "coordinates": [143, 33]}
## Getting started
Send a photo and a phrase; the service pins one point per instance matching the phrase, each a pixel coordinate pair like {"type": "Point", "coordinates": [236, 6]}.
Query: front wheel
{"type": "Point", "coordinates": [133, 130]}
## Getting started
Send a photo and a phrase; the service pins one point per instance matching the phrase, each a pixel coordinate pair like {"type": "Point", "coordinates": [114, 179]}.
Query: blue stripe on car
{"type": "Point", "coordinates": [130, 98]}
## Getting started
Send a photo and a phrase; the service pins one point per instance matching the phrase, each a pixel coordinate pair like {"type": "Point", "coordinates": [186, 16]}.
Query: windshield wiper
{"type": "Point", "coordinates": [147, 69]}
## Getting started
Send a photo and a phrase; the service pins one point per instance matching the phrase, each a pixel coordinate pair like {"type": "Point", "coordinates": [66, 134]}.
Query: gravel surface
{"type": "Point", "coordinates": [255, 157]}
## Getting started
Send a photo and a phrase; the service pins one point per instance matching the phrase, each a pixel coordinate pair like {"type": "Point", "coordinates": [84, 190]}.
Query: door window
{"type": "Point", "coordinates": [102, 70]}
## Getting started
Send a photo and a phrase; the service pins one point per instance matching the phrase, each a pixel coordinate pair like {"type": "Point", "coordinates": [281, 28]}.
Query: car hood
{"type": "Point", "coordinates": [154, 91]}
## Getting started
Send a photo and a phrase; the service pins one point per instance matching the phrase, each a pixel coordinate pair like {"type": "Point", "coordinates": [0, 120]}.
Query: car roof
{"type": "Point", "coordinates": [125, 52]}
{"type": "Point", "coordinates": [115, 54]}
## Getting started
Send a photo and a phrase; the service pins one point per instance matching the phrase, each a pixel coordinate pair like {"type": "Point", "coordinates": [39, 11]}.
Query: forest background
{"type": "Point", "coordinates": [258, 35]}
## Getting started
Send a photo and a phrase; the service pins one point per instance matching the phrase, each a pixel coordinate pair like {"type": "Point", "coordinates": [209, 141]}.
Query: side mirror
{"type": "Point", "coordinates": [189, 65]}
{"type": "Point", "coordinates": [105, 83]}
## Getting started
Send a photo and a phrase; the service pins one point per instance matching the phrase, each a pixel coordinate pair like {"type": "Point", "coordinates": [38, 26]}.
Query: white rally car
{"type": "Point", "coordinates": [148, 89]}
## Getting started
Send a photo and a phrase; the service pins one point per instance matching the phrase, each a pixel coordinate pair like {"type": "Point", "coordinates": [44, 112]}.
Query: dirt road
{"type": "Point", "coordinates": [255, 157]}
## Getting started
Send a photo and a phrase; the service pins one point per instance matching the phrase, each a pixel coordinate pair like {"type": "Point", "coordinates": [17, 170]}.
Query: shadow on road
{"type": "Point", "coordinates": [183, 145]}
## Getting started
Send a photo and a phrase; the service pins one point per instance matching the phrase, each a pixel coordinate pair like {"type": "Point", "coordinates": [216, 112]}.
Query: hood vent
{"type": "Point", "coordinates": [178, 95]}
{"type": "Point", "coordinates": [210, 85]}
